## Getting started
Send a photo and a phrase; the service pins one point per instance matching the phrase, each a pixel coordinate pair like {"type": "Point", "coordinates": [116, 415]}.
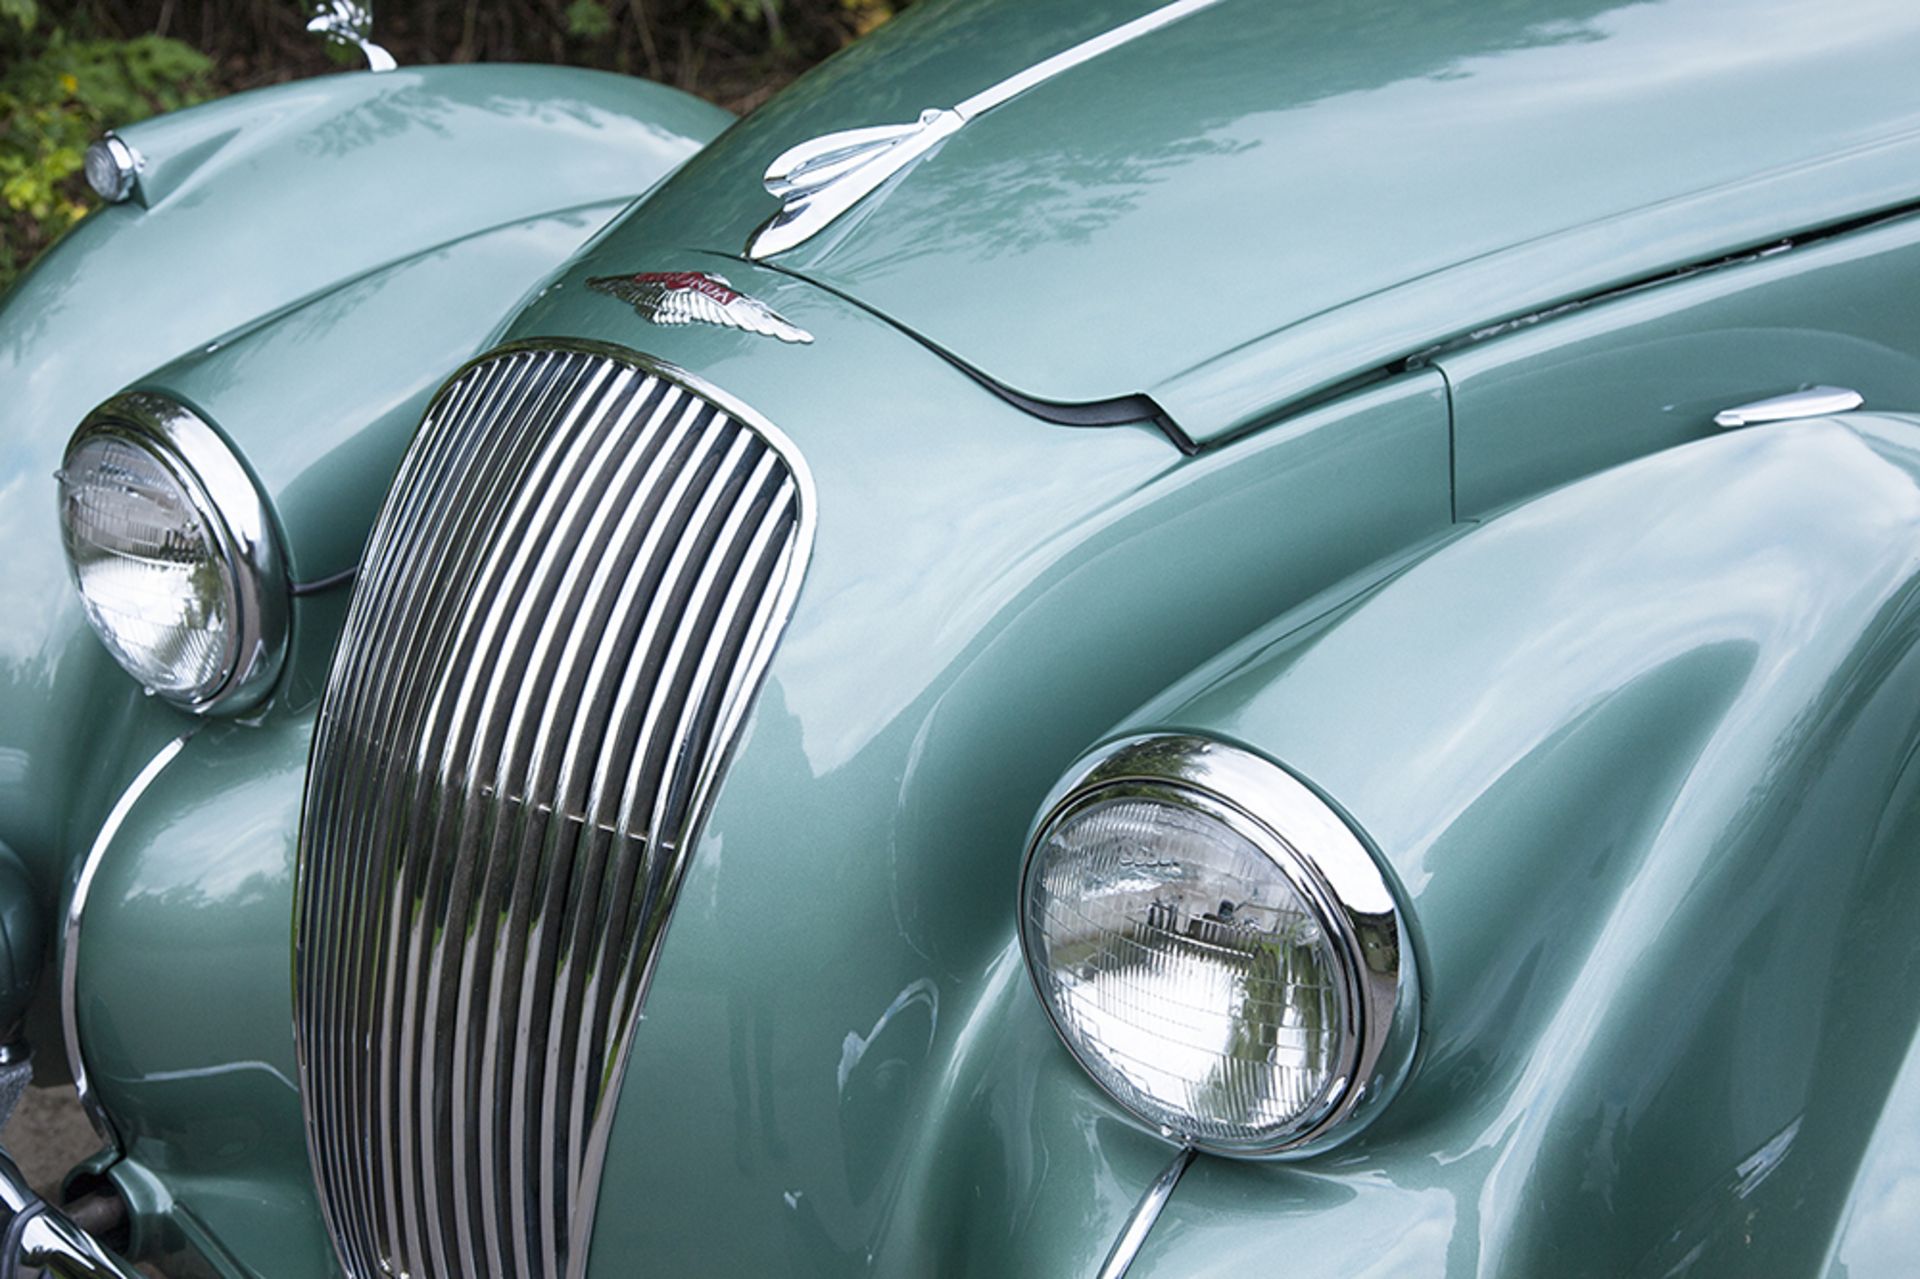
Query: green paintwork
{"type": "Point", "coordinates": [1011, 589]}
{"type": "Point", "coordinates": [196, 1064]}
{"type": "Point", "coordinates": [1875, 1240]}
{"type": "Point", "coordinates": [198, 1069]}
{"type": "Point", "coordinates": [1648, 371]}
{"type": "Point", "coordinates": [279, 205]}
{"type": "Point", "coordinates": [1323, 187]}
{"type": "Point", "coordinates": [23, 940]}
{"type": "Point", "coordinates": [1652, 806]}
{"type": "Point", "coordinates": [400, 330]}
{"type": "Point", "coordinates": [270, 279]}
{"type": "Point", "coordinates": [1058, 531]}
{"type": "Point", "coordinates": [1626, 702]}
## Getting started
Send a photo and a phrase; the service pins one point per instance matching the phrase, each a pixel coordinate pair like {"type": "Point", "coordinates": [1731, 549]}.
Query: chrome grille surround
{"type": "Point", "coordinates": [562, 616]}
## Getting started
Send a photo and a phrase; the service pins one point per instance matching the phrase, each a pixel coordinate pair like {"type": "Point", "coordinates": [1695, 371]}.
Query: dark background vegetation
{"type": "Point", "coordinates": [69, 71]}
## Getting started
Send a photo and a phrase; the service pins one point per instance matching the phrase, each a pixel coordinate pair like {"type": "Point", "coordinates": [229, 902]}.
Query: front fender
{"type": "Point", "coordinates": [1640, 754]}
{"type": "Point", "coordinates": [419, 205]}
{"type": "Point", "coordinates": [248, 205]}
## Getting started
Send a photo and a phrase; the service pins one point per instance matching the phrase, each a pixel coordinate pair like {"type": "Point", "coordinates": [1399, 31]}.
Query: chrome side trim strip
{"type": "Point", "coordinates": [822, 178]}
{"type": "Point", "coordinates": [1133, 1236]}
{"type": "Point", "coordinates": [70, 938]}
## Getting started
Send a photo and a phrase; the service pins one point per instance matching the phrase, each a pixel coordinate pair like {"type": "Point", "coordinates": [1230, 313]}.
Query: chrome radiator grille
{"type": "Point", "coordinates": [563, 613]}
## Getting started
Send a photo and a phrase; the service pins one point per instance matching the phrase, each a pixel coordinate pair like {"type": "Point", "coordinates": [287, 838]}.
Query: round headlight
{"type": "Point", "coordinates": [172, 550]}
{"type": "Point", "coordinates": [111, 167]}
{"type": "Point", "coordinates": [1218, 948]}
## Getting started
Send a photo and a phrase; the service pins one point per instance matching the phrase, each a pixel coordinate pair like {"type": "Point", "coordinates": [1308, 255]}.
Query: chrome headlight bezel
{"type": "Point", "coordinates": [240, 526]}
{"type": "Point", "coordinates": [112, 168]}
{"type": "Point", "coordinates": [1327, 863]}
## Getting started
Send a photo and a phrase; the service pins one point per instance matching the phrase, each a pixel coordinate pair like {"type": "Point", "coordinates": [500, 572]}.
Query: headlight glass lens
{"type": "Point", "coordinates": [172, 548]}
{"type": "Point", "coordinates": [1195, 981]}
{"type": "Point", "coordinates": [111, 168]}
{"type": "Point", "coordinates": [149, 566]}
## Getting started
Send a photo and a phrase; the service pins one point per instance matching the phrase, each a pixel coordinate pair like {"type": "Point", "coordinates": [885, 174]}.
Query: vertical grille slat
{"type": "Point", "coordinates": [342, 1152]}
{"type": "Point", "coordinates": [564, 609]}
{"type": "Point", "coordinates": [514, 460]}
{"type": "Point", "coordinates": [467, 471]}
{"type": "Point", "coordinates": [443, 497]}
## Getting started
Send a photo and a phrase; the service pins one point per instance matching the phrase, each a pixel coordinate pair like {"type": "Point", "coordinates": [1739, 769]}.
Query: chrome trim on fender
{"type": "Point", "coordinates": [1133, 1235]}
{"type": "Point", "coordinates": [1330, 867]}
{"type": "Point", "coordinates": [233, 509]}
{"type": "Point", "coordinates": [70, 937]}
{"type": "Point", "coordinates": [1815, 401]}
{"type": "Point", "coordinates": [822, 178]}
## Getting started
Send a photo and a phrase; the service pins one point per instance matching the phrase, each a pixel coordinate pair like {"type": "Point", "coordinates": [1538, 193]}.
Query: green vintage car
{"type": "Point", "coordinates": [1229, 639]}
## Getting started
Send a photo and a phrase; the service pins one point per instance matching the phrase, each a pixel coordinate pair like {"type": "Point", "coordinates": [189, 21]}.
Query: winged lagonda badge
{"type": "Point", "coordinates": [694, 297]}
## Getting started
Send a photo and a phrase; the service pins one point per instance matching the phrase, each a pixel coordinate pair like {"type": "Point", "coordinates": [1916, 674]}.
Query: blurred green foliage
{"type": "Point", "coordinates": [58, 92]}
{"type": "Point", "coordinates": [101, 64]}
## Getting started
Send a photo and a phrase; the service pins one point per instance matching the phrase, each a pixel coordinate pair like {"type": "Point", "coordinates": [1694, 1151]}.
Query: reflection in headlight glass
{"type": "Point", "coordinates": [1189, 974]}
{"type": "Point", "coordinates": [148, 567]}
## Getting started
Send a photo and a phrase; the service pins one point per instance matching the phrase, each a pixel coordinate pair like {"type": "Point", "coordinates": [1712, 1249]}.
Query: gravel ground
{"type": "Point", "coordinates": [47, 1136]}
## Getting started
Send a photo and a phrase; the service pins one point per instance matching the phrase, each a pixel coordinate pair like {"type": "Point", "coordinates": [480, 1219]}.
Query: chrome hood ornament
{"type": "Point", "coordinates": [349, 22]}
{"type": "Point", "coordinates": [820, 179]}
{"type": "Point", "coordinates": [694, 297]}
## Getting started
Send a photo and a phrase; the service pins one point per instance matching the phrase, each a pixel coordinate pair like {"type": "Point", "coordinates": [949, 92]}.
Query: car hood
{"type": "Point", "coordinates": [1261, 201]}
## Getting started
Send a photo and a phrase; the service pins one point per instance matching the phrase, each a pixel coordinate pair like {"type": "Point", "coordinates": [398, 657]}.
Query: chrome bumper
{"type": "Point", "coordinates": [41, 1236]}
